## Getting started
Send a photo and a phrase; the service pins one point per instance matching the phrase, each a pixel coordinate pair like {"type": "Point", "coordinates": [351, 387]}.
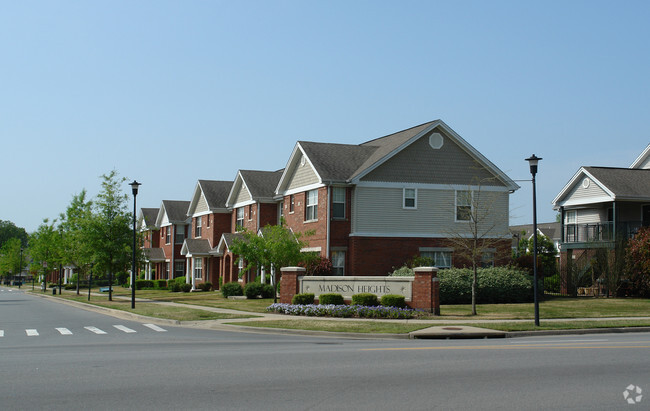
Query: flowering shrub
{"type": "Point", "coordinates": [342, 311]}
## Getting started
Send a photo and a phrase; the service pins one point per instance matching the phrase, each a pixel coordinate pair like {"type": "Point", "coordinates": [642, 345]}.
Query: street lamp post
{"type": "Point", "coordinates": [134, 186]}
{"type": "Point", "coordinates": [90, 280]}
{"type": "Point", "coordinates": [532, 161]}
{"type": "Point", "coordinates": [21, 268]}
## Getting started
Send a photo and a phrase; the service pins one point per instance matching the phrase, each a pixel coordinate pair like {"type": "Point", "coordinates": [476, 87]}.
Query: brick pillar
{"type": "Point", "coordinates": [289, 283]}
{"type": "Point", "coordinates": [426, 290]}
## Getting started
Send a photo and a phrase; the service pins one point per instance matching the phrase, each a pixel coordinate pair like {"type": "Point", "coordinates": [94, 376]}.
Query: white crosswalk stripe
{"type": "Point", "coordinates": [125, 329]}
{"type": "Point", "coordinates": [64, 331]}
{"type": "Point", "coordinates": [31, 332]}
{"type": "Point", "coordinates": [2, 333]}
{"type": "Point", "coordinates": [95, 330]}
{"type": "Point", "coordinates": [155, 327]}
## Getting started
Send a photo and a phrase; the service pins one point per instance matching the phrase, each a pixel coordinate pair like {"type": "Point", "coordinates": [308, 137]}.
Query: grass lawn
{"type": "Point", "coordinates": [370, 327]}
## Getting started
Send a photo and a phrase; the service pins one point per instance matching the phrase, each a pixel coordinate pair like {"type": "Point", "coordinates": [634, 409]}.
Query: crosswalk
{"type": "Point", "coordinates": [32, 332]}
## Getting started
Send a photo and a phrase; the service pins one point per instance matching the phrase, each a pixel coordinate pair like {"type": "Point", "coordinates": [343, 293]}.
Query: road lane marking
{"type": "Point", "coordinates": [155, 327]}
{"type": "Point", "coordinates": [64, 331]}
{"type": "Point", "coordinates": [123, 328]}
{"type": "Point", "coordinates": [557, 341]}
{"type": "Point", "coordinates": [31, 332]}
{"type": "Point", "coordinates": [2, 333]}
{"type": "Point", "coordinates": [95, 330]}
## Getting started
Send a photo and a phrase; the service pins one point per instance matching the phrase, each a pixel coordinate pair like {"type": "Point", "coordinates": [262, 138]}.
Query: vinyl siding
{"type": "Point", "coordinates": [590, 216]}
{"type": "Point", "coordinates": [243, 195]}
{"type": "Point", "coordinates": [303, 175]}
{"type": "Point", "coordinates": [578, 192]}
{"type": "Point", "coordinates": [201, 205]}
{"type": "Point", "coordinates": [379, 211]}
{"type": "Point", "coordinates": [420, 163]}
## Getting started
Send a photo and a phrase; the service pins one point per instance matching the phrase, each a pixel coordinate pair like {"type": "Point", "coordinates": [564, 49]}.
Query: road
{"type": "Point", "coordinates": [186, 368]}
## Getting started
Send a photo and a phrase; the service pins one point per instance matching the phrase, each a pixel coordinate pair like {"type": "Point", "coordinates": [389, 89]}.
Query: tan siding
{"type": "Point", "coordinates": [243, 195]}
{"type": "Point", "coordinates": [591, 215]}
{"type": "Point", "coordinates": [420, 163]}
{"type": "Point", "coordinates": [379, 210]}
{"type": "Point", "coordinates": [302, 176]}
{"type": "Point", "coordinates": [645, 164]}
{"type": "Point", "coordinates": [201, 205]}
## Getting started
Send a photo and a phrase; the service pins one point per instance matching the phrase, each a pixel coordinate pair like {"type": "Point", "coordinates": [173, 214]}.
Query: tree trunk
{"type": "Point", "coordinates": [474, 281]}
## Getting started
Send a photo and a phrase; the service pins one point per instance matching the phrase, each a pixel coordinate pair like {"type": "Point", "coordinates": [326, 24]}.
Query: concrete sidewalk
{"type": "Point", "coordinates": [438, 328]}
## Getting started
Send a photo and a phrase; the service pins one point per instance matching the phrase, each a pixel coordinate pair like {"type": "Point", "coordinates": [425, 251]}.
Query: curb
{"type": "Point", "coordinates": [619, 330]}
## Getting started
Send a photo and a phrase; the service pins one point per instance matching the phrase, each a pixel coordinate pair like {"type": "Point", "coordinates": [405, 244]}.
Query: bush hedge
{"type": "Point", "coordinates": [393, 300]}
{"type": "Point", "coordinates": [141, 284]}
{"type": "Point", "coordinates": [253, 290]}
{"type": "Point", "coordinates": [160, 284]}
{"type": "Point", "coordinates": [332, 298]}
{"type": "Point", "coordinates": [233, 288]}
{"type": "Point", "coordinates": [365, 299]}
{"type": "Point", "coordinates": [268, 291]}
{"type": "Point", "coordinates": [303, 299]}
{"type": "Point", "coordinates": [186, 288]}
{"type": "Point", "coordinates": [494, 285]}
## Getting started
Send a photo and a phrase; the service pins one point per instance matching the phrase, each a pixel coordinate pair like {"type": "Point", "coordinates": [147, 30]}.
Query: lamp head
{"type": "Point", "coordinates": [134, 185]}
{"type": "Point", "coordinates": [532, 161]}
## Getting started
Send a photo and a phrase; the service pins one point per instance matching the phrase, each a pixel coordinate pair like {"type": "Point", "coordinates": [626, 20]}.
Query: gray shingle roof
{"type": "Point", "coordinates": [154, 254]}
{"type": "Point", "coordinates": [149, 215]}
{"type": "Point", "coordinates": [176, 210]}
{"type": "Point", "coordinates": [625, 183]}
{"type": "Point", "coordinates": [215, 192]}
{"type": "Point", "coordinates": [261, 184]}
{"type": "Point", "coordinates": [197, 246]}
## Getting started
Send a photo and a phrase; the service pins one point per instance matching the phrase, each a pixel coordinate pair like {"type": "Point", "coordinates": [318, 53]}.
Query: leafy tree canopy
{"type": "Point", "coordinates": [9, 230]}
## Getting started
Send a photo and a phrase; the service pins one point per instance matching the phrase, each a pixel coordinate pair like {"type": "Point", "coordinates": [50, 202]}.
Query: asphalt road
{"type": "Point", "coordinates": [185, 368]}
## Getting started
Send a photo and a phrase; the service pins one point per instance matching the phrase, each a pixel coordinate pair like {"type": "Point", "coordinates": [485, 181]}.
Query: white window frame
{"type": "Point", "coordinates": [311, 205]}
{"type": "Point", "coordinates": [198, 226]}
{"type": "Point", "coordinates": [338, 262]}
{"type": "Point", "coordinates": [292, 204]}
{"type": "Point", "coordinates": [179, 231]}
{"type": "Point", "coordinates": [338, 199]}
{"type": "Point", "coordinates": [571, 217]}
{"type": "Point", "coordinates": [460, 204]}
{"type": "Point", "coordinates": [167, 270]}
{"type": "Point", "coordinates": [198, 268]}
{"type": "Point", "coordinates": [442, 257]}
{"type": "Point", "coordinates": [168, 235]}
{"type": "Point", "coordinates": [239, 218]}
{"type": "Point", "coordinates": [181, 265]}
{"type": "Point", "coordinates": [410, 194]}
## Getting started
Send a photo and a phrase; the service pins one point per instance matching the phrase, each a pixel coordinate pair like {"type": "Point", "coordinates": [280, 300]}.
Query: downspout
{"type": "Point", "coordinates": [173, 240]}
{"type": "Point", "coordinates": [327, 238]}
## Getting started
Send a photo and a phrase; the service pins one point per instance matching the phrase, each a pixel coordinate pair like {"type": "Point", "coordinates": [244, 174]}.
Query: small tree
{"type": "Point", "coordinates": [75, 239]}
{"type": "Point", "coordinates": [638, 262]}
{"type": "Point", "coordinates": [44, 248]}
{"type": "Point", "coordinates": [10, 258]}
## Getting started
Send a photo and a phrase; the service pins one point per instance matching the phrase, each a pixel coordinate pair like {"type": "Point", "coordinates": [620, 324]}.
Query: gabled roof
{"type": "Point", "coordinates": [225, 242]}
{"type": "Point", "coordinates": [154, 254]}
{"type": "Point", "coordinates": [174, 210]}
{"type": "Point", "coordinates": [196, 246]}
{"type": "Point", "coordinates": [347, 164]}
{"type": "Point", "coordinates": [617, 184]}
{"type": "Point", "coordinates": [148, 217]}
{"type": "Point", "coordinates": [259, 184]}
{"type": "Point", "coordinates": [642, 158]}
{"type": "Point", "coordinates": [214, 192]}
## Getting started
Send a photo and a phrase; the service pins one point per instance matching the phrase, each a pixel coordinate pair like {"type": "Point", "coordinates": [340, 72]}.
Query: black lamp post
{"type": "Point", "coordinates": [90, 280]}
{"type": "Point", "coordinates": [532, 161]}
{"type": "Point", "coordinates": [134, 185]}
{"type": "Point", "coordinates": [21, 268]}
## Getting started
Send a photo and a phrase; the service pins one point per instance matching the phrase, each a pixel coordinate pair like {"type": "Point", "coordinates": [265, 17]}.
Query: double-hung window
{"type": "Point", "coordinates": [239, 222]}
{"type": "Point", "coordinates": [198, 268]}
{"type": "Point", "coordinates": [311, 209]}
{"type": "Point", "coordinates": [338, 262]}
{"type": "Point", "coordinates": [463, 205]}
{"type": "Point", "coordinates": [410, 199]}
{"type": "Point", "coordinates": [168, 234]}
{"type": "Point", "coordinates": [197, 228]}
{"type": "Point", "coordinates": [179, 234]}
{"type": "Point", "coordinates": [179, 269]}
{"type": "Point", "coordinates": [338, 202]}
{"type": "Point", "coordinates": [441, 257]}
{"type": "Point", "coordinates": [292, 204]}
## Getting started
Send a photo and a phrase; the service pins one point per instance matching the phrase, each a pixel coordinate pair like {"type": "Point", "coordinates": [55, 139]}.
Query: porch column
{"type": "Point", "coordinates": [188, 265]}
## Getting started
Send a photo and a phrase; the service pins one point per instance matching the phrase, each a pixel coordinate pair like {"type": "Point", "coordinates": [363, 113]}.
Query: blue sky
{"type": "Point", "coordinates": [169, 92]}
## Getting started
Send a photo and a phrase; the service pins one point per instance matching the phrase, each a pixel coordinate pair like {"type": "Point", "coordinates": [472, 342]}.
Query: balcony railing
{"type": "Point", "coordinates": [600, 232]}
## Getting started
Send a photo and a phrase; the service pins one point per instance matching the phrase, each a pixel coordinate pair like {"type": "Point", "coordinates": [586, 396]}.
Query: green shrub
{"type": "Point", "coordinates": [233, 288]}
{"type": "Point", "coordinates": [174, 287]}
{"type": "Point", "coordinates": [303, 299]}
{"type": "Point", "coordinates": [186, 288]}
{"type": "Point", "coordinates": [206, 286]}
{"type": "Point", "coordinates": [252, 290]}
{"type": "Point", "coordinates": [268, 291]}
{"type": "Point", "coordinates": [552, 283]}
{"type": "Point", "coordinates": [393, 300]}
{"type": "Point", "coordinates": [140, 284]}
{"type": "Point", "coordinates": [332, 298]}
{"type": "Point", "coordinates": [366, 299]}
{"type": "Point", "coordinates": [160, 284]}
{"type": "Point", "coordinates": [403, 271]}
{"type": "Point", "coordinates": [70, 286]}
{"type": "Point", "coordinates": [494, 285]}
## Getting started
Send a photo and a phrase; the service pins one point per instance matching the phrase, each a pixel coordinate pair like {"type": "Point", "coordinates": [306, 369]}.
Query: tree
{"type": "Point", "coordinates": [75, 244]}
{"type": "Point", "coordinates": [10, 254]}
{"type": "Point", "coordinates": [273, 247]}
{"type": "Point", "coordinates": [9, 230]}
{"type": "Point", "coordinates": [109, 232]}
{"type": "Point", "coordinates": [546, 254]}
{"type": "Point", "coordinates": [638, 262]}
{"type": "Point", "coordinates": [44, 248]}
{"type": "Point", "coordinates": [477, 234]}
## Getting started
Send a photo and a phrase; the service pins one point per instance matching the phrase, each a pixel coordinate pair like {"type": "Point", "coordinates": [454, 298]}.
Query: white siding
{"type": "Point", "coordinates": [590, 216]}
{"type": "Point", "coordinates": [201, 205]}
{"type": "Point", "coordinates": [243, 195]}
{"type": "Point", "coordinates": [579, 192]}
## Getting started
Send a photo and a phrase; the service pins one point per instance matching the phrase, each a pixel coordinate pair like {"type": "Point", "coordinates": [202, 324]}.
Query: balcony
{"type": "Point", "coordinates": [599, 232]}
